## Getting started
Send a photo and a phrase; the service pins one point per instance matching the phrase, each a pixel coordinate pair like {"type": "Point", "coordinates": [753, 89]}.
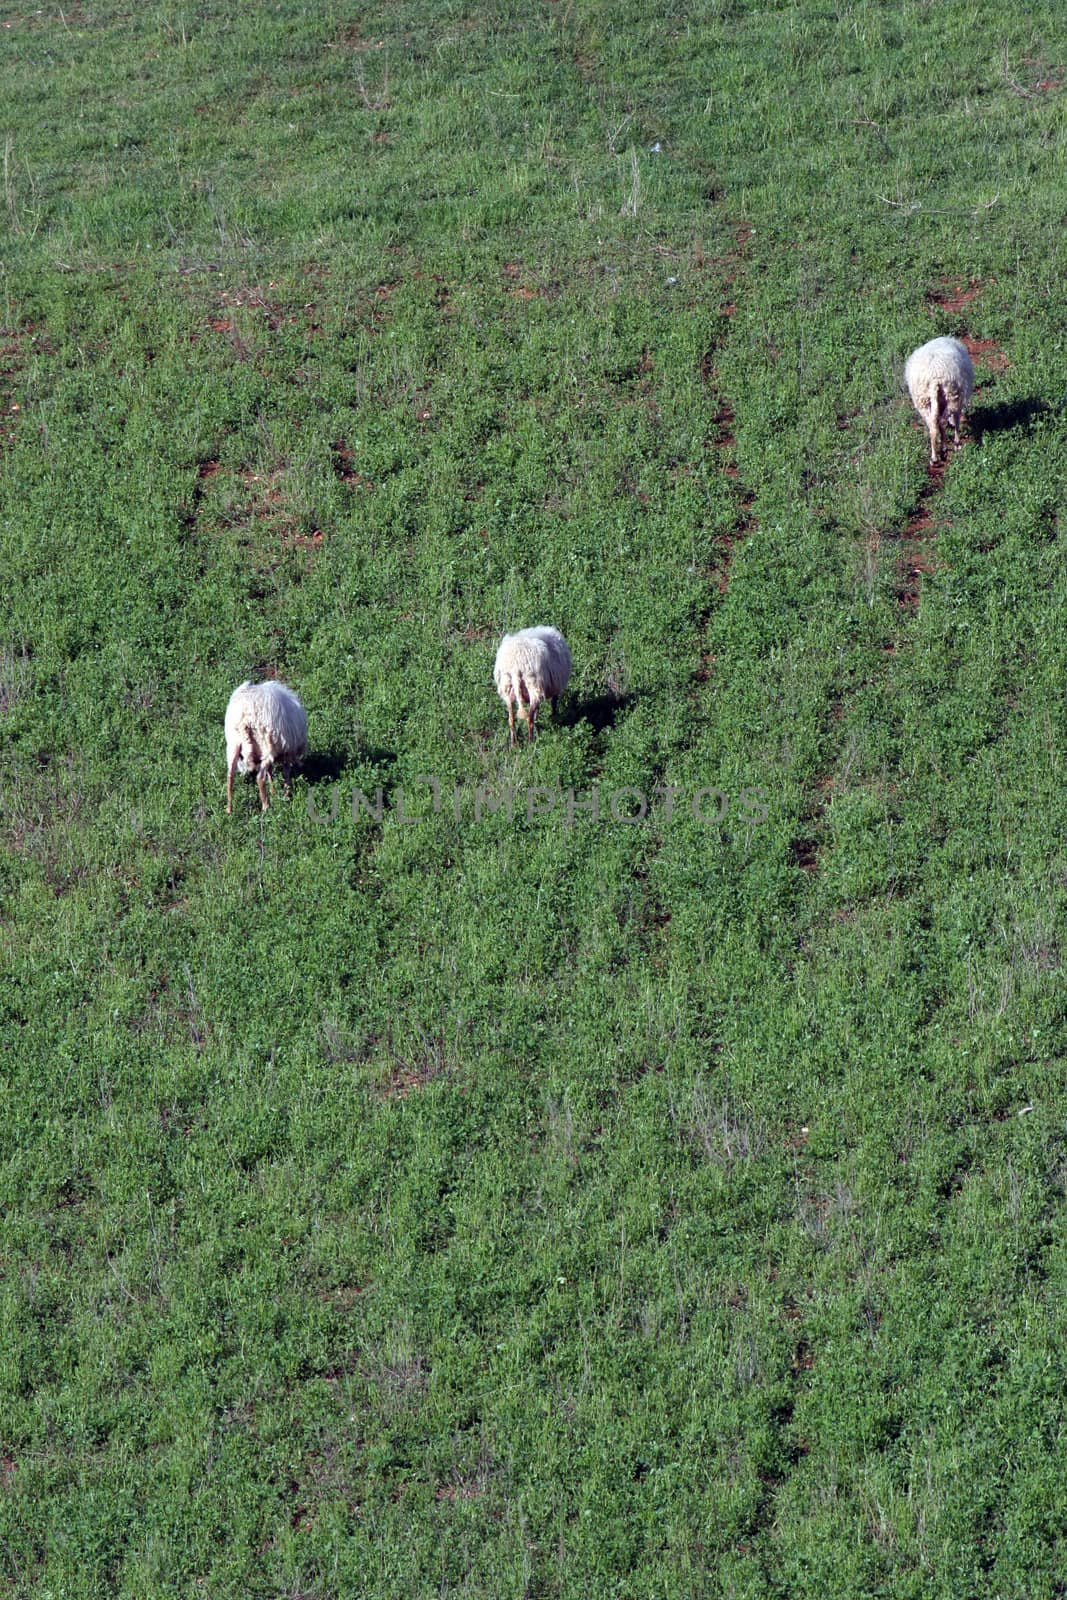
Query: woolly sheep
{"type": "Point", "coordinates": [265, 726]}
{"type": "Point", "coordinates": [531, 666]}
{"type": "Point", "coordinates": [940, 380]}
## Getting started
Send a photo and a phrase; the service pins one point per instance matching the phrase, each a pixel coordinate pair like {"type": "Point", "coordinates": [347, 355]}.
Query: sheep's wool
{"type": "Point", "coordinates": [531, 666]}
{"type": "Point", "coordinates": [266, 726]}
{"type": "Point", "coordinates": [940, 380]}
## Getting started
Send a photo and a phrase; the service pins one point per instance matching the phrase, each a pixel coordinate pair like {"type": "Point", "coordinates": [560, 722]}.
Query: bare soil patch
{"type": "Point", "coordinates": [986, 353]}
{"type": "Point", "coordinates": [950, 295]}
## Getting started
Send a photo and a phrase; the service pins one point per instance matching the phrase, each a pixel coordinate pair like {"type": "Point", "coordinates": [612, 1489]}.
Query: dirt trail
{"type": "Point", "coordinates": [723, 442]}
{"type": "Point", "coordinates": [918, 537]}
{"type": "Point", "coordinates": [912, 547]}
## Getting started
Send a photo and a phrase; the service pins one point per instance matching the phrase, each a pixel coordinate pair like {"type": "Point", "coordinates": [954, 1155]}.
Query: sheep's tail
{"type": "Point", "coordinates": [249, 747]}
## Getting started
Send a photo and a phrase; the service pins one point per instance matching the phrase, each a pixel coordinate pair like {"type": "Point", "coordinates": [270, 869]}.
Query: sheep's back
{"type": "Point", "coordinates": [274, 715]}
{"type": "Point", "coordinates": [282, 720]}
{"type": "Point", "coordinates": [537, 655]}
{"type": "Point", "coordinates": [944, 361]}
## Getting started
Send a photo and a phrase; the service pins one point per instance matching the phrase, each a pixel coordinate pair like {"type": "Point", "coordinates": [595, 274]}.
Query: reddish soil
{"type": "Point", "coordinates": [1050, 80]}
{"type": "Point", "coordinates": [913, 562]}
{"type": "Point", "coordinates": [920, 560]}
{"type": "Point", "coordinates": [723, 421]}
{"type": "Point", "coordinates": [908, 596]}
{"type": "Point", "coordinates": [353, 38]}
{"type": "Point", "coordinates": [276, 313]}
{"type": "Point", "coordinates": [404, 1080]}
{"type": "Point", "coordinates": [457, 1491]}
{"type": "Point", "coordinates": [304, 541]}
{"type": "Point", "coordinates": [919, 535]}
{"type": "Point", "coordinates": [803, 1361]}
{"type": "Point", "coordinates": [987, 353]}
{"type": "Point", "coordinates": [520, 288]}
{"type": "Point", "coordinates": [247, 295]}
{"type": "Point", "coordinates": [920, 517]}
{"type": "Point", "coordinates": [342, 459]}
{"type": "Point", "coordinates": [270, 494]}
{"type": "Point", "coordinates": [722, 440]}
{"type": "Point", "coordinates": [804, 853]}
{"type": "Point", "coordinates": [950, 296]}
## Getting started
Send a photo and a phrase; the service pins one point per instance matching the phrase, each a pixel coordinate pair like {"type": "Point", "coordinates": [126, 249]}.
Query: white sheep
{"type": "Point", "coordinates": [531, 666]}
{"type": "Point", "coordinates": [265, 726]}
{"type": "Point", "coordinates": [940, 380]}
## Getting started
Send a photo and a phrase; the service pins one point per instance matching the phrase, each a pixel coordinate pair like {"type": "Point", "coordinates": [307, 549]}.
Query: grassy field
{"type": "Point", "coordinates": [658, 1192]}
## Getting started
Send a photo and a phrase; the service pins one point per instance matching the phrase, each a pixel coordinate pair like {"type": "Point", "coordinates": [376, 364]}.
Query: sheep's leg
{"type": "Point", "coordinates": [555, 704]}
{"type": "Point", "coordinates": [511, 718]}
{"type": "Point", "coordinates": [261, 783]}
{"type": "Point", "coordinates": [941, 417]}
{"type": "Point", "coordinates": [531, 719]}
{"type": "Point", "coordinates": [229, 780]}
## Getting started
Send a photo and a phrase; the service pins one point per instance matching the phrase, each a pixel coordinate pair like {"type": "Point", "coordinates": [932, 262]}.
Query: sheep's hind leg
{"type": "Point", "coordinates": [941, 417]}
{"type": "Point", "coordinates": [229, 780]}
{"type": "Point", "coordinates": [261, 782]}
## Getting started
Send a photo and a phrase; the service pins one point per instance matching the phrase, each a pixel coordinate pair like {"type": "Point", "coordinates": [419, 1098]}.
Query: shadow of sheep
{"type": "Point", "coordinates": [1008, 414]}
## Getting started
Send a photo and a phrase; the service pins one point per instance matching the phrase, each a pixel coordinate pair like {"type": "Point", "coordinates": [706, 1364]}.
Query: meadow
{"type": "Point", "coordinates": [657, 1192]}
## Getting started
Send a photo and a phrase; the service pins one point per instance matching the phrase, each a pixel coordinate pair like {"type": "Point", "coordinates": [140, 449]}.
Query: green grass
{"type": "Point", "coordinates": [551, 1206]}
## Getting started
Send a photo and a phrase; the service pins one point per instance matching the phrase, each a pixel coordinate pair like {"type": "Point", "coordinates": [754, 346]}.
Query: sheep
{"type": "Point", "coordinates": [940, 380]}
{"type": "Point", "coordinates": [531, 666]}
{"type": "Point", "coordinates": [265, 725]}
